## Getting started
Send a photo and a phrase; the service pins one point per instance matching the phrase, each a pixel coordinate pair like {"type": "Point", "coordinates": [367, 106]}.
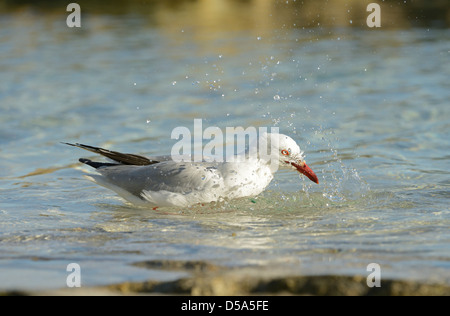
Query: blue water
{"type": "Point", "coordinates": [369, 108]}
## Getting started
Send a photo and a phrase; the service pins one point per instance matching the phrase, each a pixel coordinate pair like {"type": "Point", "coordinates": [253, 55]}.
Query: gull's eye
{"type": "Point", "coordinates": [285, 152]}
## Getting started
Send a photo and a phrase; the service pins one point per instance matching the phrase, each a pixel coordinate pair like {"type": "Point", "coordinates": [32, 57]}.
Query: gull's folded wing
{"type": "Point", "coordinates": [125, 159]}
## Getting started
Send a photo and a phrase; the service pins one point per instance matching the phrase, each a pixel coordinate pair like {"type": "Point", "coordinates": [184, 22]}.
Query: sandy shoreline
{"type": "Point", "coordinates": [211, 280]}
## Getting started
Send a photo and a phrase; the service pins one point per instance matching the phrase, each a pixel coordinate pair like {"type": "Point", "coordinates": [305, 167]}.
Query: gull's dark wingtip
{"type": "Point", "coordinates": [96, 165]}
{"type": "Point", "coordinates": [64, 143]}
{"type": "Point", "coordinates": [88, 162]}
{"type": "Point", "coordinates": [125, 159]}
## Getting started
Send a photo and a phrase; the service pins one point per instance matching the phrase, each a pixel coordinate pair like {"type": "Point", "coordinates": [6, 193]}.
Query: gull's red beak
{"type": "Point", "coordinates": [303, 168]}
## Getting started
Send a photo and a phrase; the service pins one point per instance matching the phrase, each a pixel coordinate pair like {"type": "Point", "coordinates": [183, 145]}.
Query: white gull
{"type": "Point", "coordinates": [161, 181]}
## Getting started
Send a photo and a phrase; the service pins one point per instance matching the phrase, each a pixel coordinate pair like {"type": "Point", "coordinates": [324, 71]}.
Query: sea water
{"type": "Point", "coordinates": [369, 108]}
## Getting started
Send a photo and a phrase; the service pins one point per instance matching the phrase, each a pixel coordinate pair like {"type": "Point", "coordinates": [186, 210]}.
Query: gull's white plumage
{"type": "Point", "coordinates": [164, 182]}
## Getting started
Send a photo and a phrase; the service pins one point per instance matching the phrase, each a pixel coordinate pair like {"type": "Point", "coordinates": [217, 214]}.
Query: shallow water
{"type": "Point", "coordinates": [369, 108]}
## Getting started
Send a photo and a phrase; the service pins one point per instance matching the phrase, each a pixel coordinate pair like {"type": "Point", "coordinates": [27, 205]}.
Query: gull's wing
{"type": "Point", "coordinates": [125, 159]}
{"type": "Point", "coordinates": [167, 183]}
{"type": "Point", "coordinates": [167, 175]}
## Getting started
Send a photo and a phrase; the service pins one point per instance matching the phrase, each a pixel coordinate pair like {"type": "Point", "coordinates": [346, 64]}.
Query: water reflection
{"type": "Point", "coordinates": [207, 18]}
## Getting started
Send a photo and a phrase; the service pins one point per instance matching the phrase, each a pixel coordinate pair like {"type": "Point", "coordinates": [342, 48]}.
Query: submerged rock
{"type": "Point", "coordinates": [210, 279]}
{"type": "Point", "coordinates": [207, 279]}
{"type": "Point", "coordinates": [225, 285]}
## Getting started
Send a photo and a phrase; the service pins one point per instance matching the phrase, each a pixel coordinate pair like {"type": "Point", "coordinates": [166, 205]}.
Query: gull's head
{"type": "Point", "coordinates": [288, 153]}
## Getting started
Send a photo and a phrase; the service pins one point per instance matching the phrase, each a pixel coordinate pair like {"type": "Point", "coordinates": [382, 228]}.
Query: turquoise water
{"type": "Point", "coordinates": [369, 108]}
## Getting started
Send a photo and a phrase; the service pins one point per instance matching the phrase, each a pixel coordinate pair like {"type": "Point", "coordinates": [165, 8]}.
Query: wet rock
{"type": "Point", "coordinates": [209, 279]}
{"type": "Point", "coordinates": [226, 284]}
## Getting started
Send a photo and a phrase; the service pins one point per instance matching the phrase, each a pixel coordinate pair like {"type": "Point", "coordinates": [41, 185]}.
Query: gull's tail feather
{"type": "Point", "coordinates": [125, 159]}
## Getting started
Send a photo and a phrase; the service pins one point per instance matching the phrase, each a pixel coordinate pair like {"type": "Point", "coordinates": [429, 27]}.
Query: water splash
{"type": "Point", "coordinates": [342, 182]}
{"type": "Point", "coordinates": [346, 185]}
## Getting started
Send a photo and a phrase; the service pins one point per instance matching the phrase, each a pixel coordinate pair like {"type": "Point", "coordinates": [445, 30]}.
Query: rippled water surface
{"type": "Point", "coordinates": [370, 108]}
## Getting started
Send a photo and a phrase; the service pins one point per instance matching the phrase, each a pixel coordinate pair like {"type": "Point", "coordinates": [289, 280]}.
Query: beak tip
{"type": "Point", "coordinates": [313, 177]}
{"type": "Point", "coordinates": [307, 172]}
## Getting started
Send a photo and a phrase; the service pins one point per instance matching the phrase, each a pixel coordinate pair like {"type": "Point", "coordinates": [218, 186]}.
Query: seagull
{"type": "Point", "coordinates": [165, 182]}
